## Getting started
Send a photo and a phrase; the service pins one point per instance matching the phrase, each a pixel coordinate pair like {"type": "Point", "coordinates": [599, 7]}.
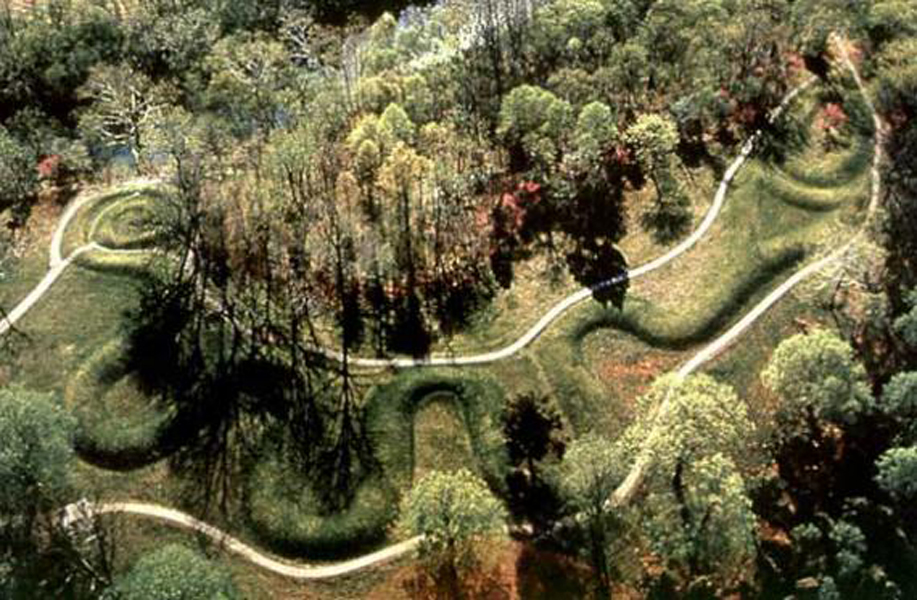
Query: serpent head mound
{"type": "Point", "coordinates": [119, 231]}
{"type": "Point", "coordinates": [131, 224]}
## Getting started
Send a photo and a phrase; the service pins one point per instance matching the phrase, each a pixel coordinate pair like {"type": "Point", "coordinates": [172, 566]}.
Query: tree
{"type": "Point", "coordinates": [532, 427]}
{"type": "Point", "coordinates": [534, 123]}
{"type": "Point", "coordinates": [653, 138]}
{"type": "Point", "coordinates": [818, 379]}
{"type": "Point", "coordinates": [404, 179]}
{"type": "Point", "coordinates": [174, 572]}
{"type": "Point", "coordinates": [591, 470]}
{"type": "Point", "coordinates": [691, 432]}
{"type": "Point", "coordinates": [452, 511]}
{"type": "Point", "coordinates": [906, 324]}
{"type": "Point", "coordinates": [18, 176]}
{"type": "Point", "coordinates": [897, 101]}
{"type": "Point", "coordinates": [889, 19]}
{"type": "Point", "coordinates": [123, 102]}
{"type": "Point", "coordinates": [834, 557]}
{"type": "Point", "coordinates": [169, 38]}
{"type": "Point", "coordinates": [685, 420]}
{"type": "Point", "coordinates": [899, 402]}
{"type": "Point", "coordinates": [35, 465]}
{"type": "Point", "coordinates": [898, 473]}
{"type": "Point", "coordinates": [533, 430]}
{"type": "Point", "coordinates": [594, 135]}
{"type": "Point", "coordinates": [46, 60]}
{"type": "Point", "coordinates": [703, 524]}
{"type": "Point", "coordinates": [396, 124]}
{"type": "Point", "coordinates": [567, 25]}
{"type": "Point", "coordinates": [248, 77]}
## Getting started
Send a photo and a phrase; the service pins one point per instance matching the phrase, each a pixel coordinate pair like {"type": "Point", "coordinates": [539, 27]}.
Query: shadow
{"type": "Point", "coordinates": [544, 575]}
{"type": "Point", "coordinates": [584, 217]}
{"type": "Point", "coordinates": [702, 331]}
{"type": "Point", "coordinates": [475, 582]}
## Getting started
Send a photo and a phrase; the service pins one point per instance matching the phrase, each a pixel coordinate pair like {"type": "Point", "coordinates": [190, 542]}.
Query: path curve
{"type": "Point", "coordinates": [628, 488]}
{"type": "Point", "coordinates": [635, 477]}
{"type": "Point", "coordinates": [84, 510]}
{"type": "Point", "coordinates": [57, 264]}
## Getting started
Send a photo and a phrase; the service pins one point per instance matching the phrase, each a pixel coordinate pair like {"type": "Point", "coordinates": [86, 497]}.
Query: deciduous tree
{"type": "Point", "coordinates": [818, 380]}
{"type": "Point", "coordinates": [592, 468]}
{"type": "Point", "coordinates": [172, 572]}
{"type": "Point", "coordinates": [452, 511]}
{"type": "Point", "coordinates": [123, 102]}
{"type": "Point", "coordinates": [18, 176]}
{"type": "Point", "coordinates": [703, 526]}
{"type": "Point", "coordinates": [35, 467]}
{"type": "Point", "coordinates": [653, 138]}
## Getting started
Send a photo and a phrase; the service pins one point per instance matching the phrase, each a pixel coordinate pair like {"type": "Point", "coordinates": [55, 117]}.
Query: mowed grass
{"type": "Point", "coordinates": [441, 440]}
{"type": "Point", "coordinates": [81, 312]}
{"type": "Point", "coordinates": [594, 360]}
{"type": "Point", "coordinates": [283, 513]}
{"type": "Point", "coordinates": [79, 317]}
{"type": "Point", "coordinates": [122, 218]}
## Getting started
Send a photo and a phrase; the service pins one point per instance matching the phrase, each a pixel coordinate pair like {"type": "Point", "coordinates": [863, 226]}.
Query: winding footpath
{"type": "Point", "coordinates": [584, 294]}
{"type": "Point", "coordinates": [625, 492]}
{"type": "Point", "coordinates": [57, 263]}
{"type": "Point", "coordinates": [628, 488]}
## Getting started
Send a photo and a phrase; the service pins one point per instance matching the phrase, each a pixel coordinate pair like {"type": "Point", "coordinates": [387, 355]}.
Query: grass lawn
{"type": "Point", "coordinates": [441, 441]}
{"type": "Point", "coordinates": [597, 360]}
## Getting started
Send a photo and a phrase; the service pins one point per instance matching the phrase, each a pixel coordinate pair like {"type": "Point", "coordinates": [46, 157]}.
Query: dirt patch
{"type": "Point", "coordinates": [634, 376]}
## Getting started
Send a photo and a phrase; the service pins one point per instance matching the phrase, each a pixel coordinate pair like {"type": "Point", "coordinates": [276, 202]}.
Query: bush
{"type": "Point", "coordinates": [174, 572]}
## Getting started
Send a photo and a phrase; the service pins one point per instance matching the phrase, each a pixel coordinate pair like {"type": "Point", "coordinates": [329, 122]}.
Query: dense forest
{"type": "Point", "coordinates": [325, 188]}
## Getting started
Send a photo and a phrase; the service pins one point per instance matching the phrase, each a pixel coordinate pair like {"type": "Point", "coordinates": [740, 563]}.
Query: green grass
{"type": "Point", "coordinates": [816, 168]}
{"type": "Point", "coordinates": [126, 225]}
{"type": "Point", "coordinates": [535, 288]}
{"type": "Point", "coordinates": [283, 513]}
{"type": "Point", "coordinates": [441, 441]}
{"type": "Point", "coordinates": [822, 199]}
{"type": "Point", "coordinates": [126, 265]}
{"type": "Point", "coordinates": [759, 239]}
{"type": "Point", "coordinates": [594, 360]}
{"type": "Point", "coordinates": [29, 262]}
{"type": "Point", "coordinates": [80, 313]}
{"type": "Point", "coordinates": [122, 219]}
{"type": "Point", "coordinates": [117, 422]}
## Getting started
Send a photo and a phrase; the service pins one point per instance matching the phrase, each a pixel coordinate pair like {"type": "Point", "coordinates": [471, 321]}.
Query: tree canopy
{"type": "Point", "coordinates": [817, 376]}
{"type": "Point", "coordinates": [175, 572]}
{"type": "Point", "coordinates": [18, 175]}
